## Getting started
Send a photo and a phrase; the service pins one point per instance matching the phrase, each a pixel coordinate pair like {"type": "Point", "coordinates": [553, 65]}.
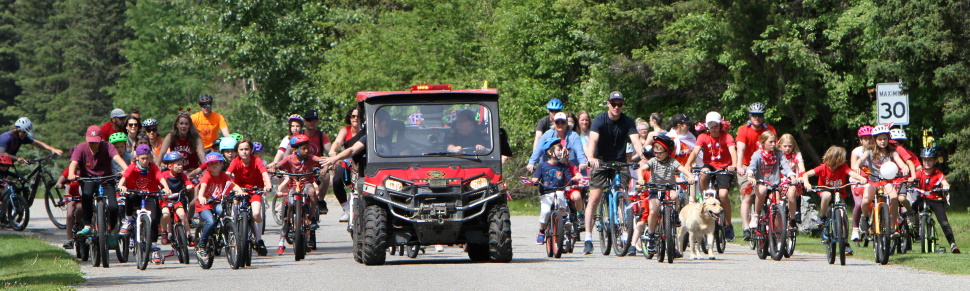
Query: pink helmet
{"type": "Point", "coordinates": [865, 130]}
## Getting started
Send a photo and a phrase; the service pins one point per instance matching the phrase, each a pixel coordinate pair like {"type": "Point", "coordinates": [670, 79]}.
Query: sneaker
{"type": "Point", "coordinates": [747, 235]}
{"type": "Point", "coordinates": [797, 218]}
{"type": "Point", "coordinates": [753, 223]}
{"type": "Point", "coordinates": [822, 221]}
{"type": "Point", "coordinates": [260, 248]}
{"type": "Point", "coordinates": [651, 244]}
{"type": "Point", "coordinates": [729, 233]}
{"type": "Point", "coordinates": [439, 248]}
{"type": "Point", "coordinates": [156, 258]}
{"type": "Point", "coordinates": [344, 217]}
{"type": "Point", "coordinates": [954, 249]}
{"type": "Point", "coordinates": [112, 243]}
{"type": "Point", "coordinates": [322, 207]}
{"type": "Point", "coordinates": [633, 251]}
{"type": "Point", "coordinates": [855, 234]}
{"type": "Point", "coordinates": [200, 250]}
{"type": "Point", "coordinates": [848, 250]}
{"type": "Point", "coordinates": [84, 232]}
{"type": "Point", "coordinates": [314, 226]}
{"type": "Point", "coordinates": [587, 247]}
{"type": "Point", "coordinates": [540, 239]}
{"type": "Point", "coordinates": [280, 250]}
{"type": "Point", "coordinates": [164, 239]}
{"type": "Point", "coordinates": [864, 224]}
{"type": "Point", "coordinates": [125, 224]}
{"type": "Point", "coordinates": [678, 254]}
{"type": "Point", "coordinates": [191, 241]}
{"type": "Point", "coordinates": [69, 245]}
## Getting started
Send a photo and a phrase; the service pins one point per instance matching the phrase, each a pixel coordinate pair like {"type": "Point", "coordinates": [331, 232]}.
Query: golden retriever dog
{"type": "Point", "coordinates": [698, 220]}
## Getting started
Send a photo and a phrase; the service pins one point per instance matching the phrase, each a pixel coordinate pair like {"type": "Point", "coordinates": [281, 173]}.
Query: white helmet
{"type": "Point", "coordinates": [897, 133]}
{"type": "Point", "coordinates": [24, 124]}
{"type": "Point", "coordinates": [880, 129]}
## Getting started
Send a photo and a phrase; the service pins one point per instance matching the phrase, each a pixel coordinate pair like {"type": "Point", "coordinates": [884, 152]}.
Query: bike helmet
{"type": "Point", "coordinates": [554, 104]}
{"type": "Point", "coordinates": [172, 157]}
{"type": "Point", "coordinates": [929, 153]}
{"type": "Point", "coordinates": [664, 141]}
{"type": "Point", "coordinates": [237, 136]}
{"type": "Point", "coordinates": [756, 108]}
{"type": "Point", "coordinates": [865, 130]}
{"type": "Point", "coordinates": [897, 134]}
{"type": "Point", "coordinates": [549, 143]}
{"type": "Point", "coordinates": [296, 117]}
{"type": "Point", "coordinates": [227, 143]}
{"type": "Point", "coordinates": [24, 124]}
{"type": "Point", "coordinates": [205, 98]}
{"type": "Point", "coordinates": [880, 129]}
{"type": "Point", "coordinates": [6, 160]}
{"type": "Point", "coordinates": [257, 147]}
{"type": "Point", "coordinates": [117, 137]}
{"type": "Point", "coordinates": [149, 123]}
{"type": "Point", "coordinates": [299, 140]}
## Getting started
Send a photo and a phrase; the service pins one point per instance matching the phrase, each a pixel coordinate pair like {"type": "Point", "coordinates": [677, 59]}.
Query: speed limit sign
{"type": "Point", "coordinates": [892, 105]}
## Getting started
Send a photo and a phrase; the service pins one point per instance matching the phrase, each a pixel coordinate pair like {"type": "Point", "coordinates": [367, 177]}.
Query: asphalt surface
{"type": "Point", "coordinates": [332, 267]}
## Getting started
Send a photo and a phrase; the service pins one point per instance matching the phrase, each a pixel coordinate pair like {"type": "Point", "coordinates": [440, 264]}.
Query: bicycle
{"type": "Point", "coordinates": [180, 241]}
{"type": "Point", "coordinates": [926, 229]}
{"type": "Point", "coordinates": [667, 221]}
{"type": "Point", "coordinates": [143, 231]}
{"type": "Point", "coordinates": [53, 197]}
{"type": "Point", "coordinates": [297, 219]}
{"type": "Point", "coordinates": [772, 225]}
{"type": "Point", "coordinates": [222, 236]}
{"type": "Point", "coordinates": [879, 230]}
{"type": "Point", "coordinates": [241, 215]}
{"type": "Point", "coordinates": [14, 208]}
{"type": "Point", "coordinates": [835, 233]}
{"type": "Point", "coordinates": [720, 242]}
{"type": "Point", "coordinates": [903, 241]}
{"type": "Point", "coordinates": [99, 240]}
{"type": "Point", "coordinates": [82, 244]}
{"type": "Point", "coordinates": [614, 217]}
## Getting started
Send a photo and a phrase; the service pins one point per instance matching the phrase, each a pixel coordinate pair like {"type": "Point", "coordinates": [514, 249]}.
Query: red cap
{"type": "Point", "coordinates": [94, 134]}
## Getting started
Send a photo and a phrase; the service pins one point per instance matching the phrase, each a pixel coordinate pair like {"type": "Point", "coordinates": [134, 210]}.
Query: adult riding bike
{"type": "Point", "coordinates": [99, 240]}
{"type": "Point", "coordinates": [720, 242]}
{"type": "Point", "coordinates": [143, 231]}
{"type": "Point", "coordinates": [54, 201]}
{"type": "Point", "coordinates": [926, 228]}
{"type": "Point", "coordinates": [614, 218]}
{"type": "Point", "coordinates": [14, 208]}
{"type": "Point", "coordinates": [835, 234]}
{"type": "Point", "coordinates": [771, 235]}
{"type": "Point", "coordinates": [666, 244]}
{"type": "Point", "coordinates": [296, 224]}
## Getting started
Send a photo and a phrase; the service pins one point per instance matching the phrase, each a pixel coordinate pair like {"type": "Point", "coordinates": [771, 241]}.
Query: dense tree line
{"type": "Point", "coordinates": [65, 63]}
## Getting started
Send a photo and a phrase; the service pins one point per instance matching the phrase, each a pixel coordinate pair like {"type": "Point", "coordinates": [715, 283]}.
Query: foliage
{"type": "Point", "coordinates": [33, 264]}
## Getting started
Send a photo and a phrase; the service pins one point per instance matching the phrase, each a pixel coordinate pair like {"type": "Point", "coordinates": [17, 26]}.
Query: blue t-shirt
{"type": "Point", "coordinates": [613, 136]}
{"type": "Point", "coordinates": [552, 176]}
{"type": "Point", "coordinates": [12, 144]}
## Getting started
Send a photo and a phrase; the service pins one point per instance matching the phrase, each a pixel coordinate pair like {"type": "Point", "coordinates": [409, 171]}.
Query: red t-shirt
{"type": "Point", "coordinates": [751, 136]}
{"type": "Point", "coordinates": [106, 130]}
{"type": "Point", "coordinates": [215, 188]}
{"type": "Point", "coordinates": [715, 150]}
{"type": "Point", "coordinates": [828, 177]}
{"type": "Point", "coordinates": [74, 188]}
{"type": "Point", "coordinates": [317, 140]}
{"type": "Point", "coordinates": [94, 164]}
{"type": "Point", "coordinates": [151, 181]}
{"type": "Point", "coordinates": [292, 164]}
{"type": "Point", "coordinates": [248, 176]}
{"type": "Point", "coordinates": [191, 161]}
{"type": "Point", "coordinates": [908, 155]}
{"type": "Point", "coordinates": [929, 182]}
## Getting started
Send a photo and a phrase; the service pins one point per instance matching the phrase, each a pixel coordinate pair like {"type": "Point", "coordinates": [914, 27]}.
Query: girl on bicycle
{"type": "Point", "coordinates": [300, 162]}
{"type": "Point", "coordinates": [877, 154]}
{"type": "Point", "coordinates": [551, 174]}
{"type": "Point", "coordinates": [719, 153]}
{"type": "Point", "coordinates": [180, 184]}
{"type": "Point", "coordinates": [794, 156]}
{"type": "Point", "coordinates": [833, 172]}
{"type": "Point", "coordinates": [346, 138]}
{"type": "Point", "coordinates": [855, 159]}
{"type": "Point", "coordinates": [768, 164]}
{"type": "Point", "coordinates": [663, 170]}
{"type": "Point", "coordinates": [185, 139]}
{"type": "Point", "coordinates": [214, 185]}
{"type": "Point", "coordinates": [144, 175]}
{"type": "Point", "coordinates": [71, 197]}
{"type": "Point", "coordinates": [929, 179]}
{"type": "Point", "coordinates": [296, 124]}
{"type": "Point", "coordinates": [248, 171]}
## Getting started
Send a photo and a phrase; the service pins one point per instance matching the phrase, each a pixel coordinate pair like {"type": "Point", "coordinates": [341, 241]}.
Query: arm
{"type": "Point", "coordinates": [121, 184]}
{"type": "Point", "coordinates": [347, 153]}
{"type": "Point", "coordinates": [535, 142]}
{"type": "Point", "coordinates": [71, 170]}
{"type": "Point", "coordinates": [267, 183]}
{"type": "Point", "coordinates": [120, 161]}
{"type": "Point", "coordinates": [637, 147]}
{"type": "Point", "coordinates": [201, 193]}
{"type": "Point", "coordinates": [903, 167]}
{"type": "Point", "coordinates": [855, 175]}
{"type": "Point", "coordinates": [734, 157]}
{"type": "Point", "coordinates": [740, 149]}
{"type": "Point", "coordinates": [693, 155]}
{"type": "Point", "coordinates": [912, 170]}
{"type": "Point", "coordinates": [340, 136]}
{"type": "Point", "coordinates": [43, 145]}
{"type": "Point", "coordinates": [854, 162]}
{"type": "Point", "coordinates": [594, 138]}
{"type": "Point", "coordinates": [806, 175]}
{"type": "Point", "coordinates": [686, 171]}
{"type": "Point", "coordinates": [163, 148]}
{"type": "Point", "coordinates": [576, 145]}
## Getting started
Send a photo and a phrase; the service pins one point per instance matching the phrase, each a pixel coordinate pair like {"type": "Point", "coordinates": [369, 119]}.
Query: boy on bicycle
{"type": "Point", "coordinates": [663, 170]}
{"type": "Point", "coordinates": [212, 187]}
{"type": "Point", "coordinates": [144, 176]}
{"type": "Point", "coordinates": [930, 178]}
{"type": "Point", "coordinates": [833, 172]}
{"type": "Point", "coordinates": [300, 162]}
{"type": "Point", "coordinates": [177, 182]}
{"type": "Point", "coordinates": [550, 175]}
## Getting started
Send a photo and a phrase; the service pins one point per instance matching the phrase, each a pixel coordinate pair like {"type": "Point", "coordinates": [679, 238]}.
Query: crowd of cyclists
{"type": "Point", "coordinates": [199, 161]}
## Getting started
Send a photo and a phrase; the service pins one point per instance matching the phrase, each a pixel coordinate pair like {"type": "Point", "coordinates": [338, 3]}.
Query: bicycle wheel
{"type": "Point", "coordinates": [719, 241]}
{"type": "Point", "coordinates": [885, 232]}
{"type": "Point", "coordinates": [124, 247]}
{"type": "Point", "coordinates": [761, 234]}
{"type": "Point", "coordinates": [230, 234]}
{"type": "Point", "coordinates": [299, 236]}
{"type": "Point", "coordinates": [242, 238]}
{"type": "Point", "coordinates": [548, 234]}
{"type": "Point", "coordinates": [96, 250]}
{"type": "Point", "coordinates": [53, 200]}
{"type": "Point", "coordinates": [143, 246]}
{"type": "Point", "coordinates": [557, 236]}
{"type": "Point", "coordinates": [102, 232]}
{"type": "Point", "coordinates": [83, 249]}
{"type": "Point", "coordinates": [931, 234]}
{"type": "Point", "coordinates": [603, 227]}
{"type": "Point", "coordinates": [623, 225]}
{"type": "Point", "coordinates": [181, 243]}
{"type": "Point", "coordinates": [18, 213]}
{"type": "Point", "coordinates": [670, 230]}
{"type": "Point", "coordinates": [828, 233]}
{"type": "Point", "coordinates": [840, 229]}
{"type": "Point", "coordinates": [906, 239]}
{"type": "Point", "coordinates": [279, 212]}
{"type": "Point", "coordinates": [569, 235]}
{"type": "Point", "coordinates": [776, 244]}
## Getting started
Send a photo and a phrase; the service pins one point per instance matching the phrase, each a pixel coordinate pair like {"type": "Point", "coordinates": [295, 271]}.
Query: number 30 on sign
{"type": "Point", "coordinates": [892, 105]}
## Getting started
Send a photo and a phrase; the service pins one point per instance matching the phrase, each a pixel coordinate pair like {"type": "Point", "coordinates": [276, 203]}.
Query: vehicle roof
{"type": "Point", "coordinates": [364, 95]}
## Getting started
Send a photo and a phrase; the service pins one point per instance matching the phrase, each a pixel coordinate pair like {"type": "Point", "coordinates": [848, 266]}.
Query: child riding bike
{"type": "Point", "coordinates": [768, 164]}
{"type": "Point", "coordinates": [550, 175]}
{"type": "Point", "coordinates": [214, 185]}
{"type": "Point", "coordinates": [865, 138]}
{"type": "Point", "coordinates": [177, 182]}
{"type": "Point", "coordinates": [249, 172]}
{"type": "Point", "coordinates": [877, 154]}
{"type": "Point", "coordinates": [833, 172]}
{"type": "Point", "coordinates": [929, 179]}
{"type": "Point", "coordinates": [299, 162]}
{"type": "Point", "coordinates": [663, 170]}
{"type": "Point", "coordinates": [143, 175]}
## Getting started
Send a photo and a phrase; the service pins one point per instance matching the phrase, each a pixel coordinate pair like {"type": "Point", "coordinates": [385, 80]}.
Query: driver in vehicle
{"type": "Point", "coordinates": [466, 138]}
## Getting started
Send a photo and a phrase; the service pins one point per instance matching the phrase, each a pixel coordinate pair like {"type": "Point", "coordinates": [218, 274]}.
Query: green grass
{"type": "Point", "coordinates": [32, 264]}
{"type": "Point", "coordinates": [946, 263]}
{"type": "Point", "coordinates": [526, 206]}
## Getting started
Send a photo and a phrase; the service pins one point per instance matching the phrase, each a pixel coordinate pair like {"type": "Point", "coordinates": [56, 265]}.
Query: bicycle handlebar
{"type": "Point", "coordinates": [703, 170]}
{"type": "Point", "coordinates": [97, 179]}
{"type": "Point", "coordinates": [816, 189]}
{"type": "Point", "coordinates": [145, 193]}
{"type": "Point", "coordinates": [663, 186]}
{"type": "Point", "coordinates": [37, 160]}
{"type": "Point", "coordinates": [312, 172]}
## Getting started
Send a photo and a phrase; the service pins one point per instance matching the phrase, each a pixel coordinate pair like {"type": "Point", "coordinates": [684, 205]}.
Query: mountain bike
{"type": "Point", "coordinates": [614, 217]}
{"type": "Point", "coordinates": [14, 209]}
{"type": "Point", "coordinates": [720, 242]}
{"type": "Point", "coordinates": [904, 238]}
{"type": "Point", "coordinates": [143, 231]}
{"type": "Point", "coordinates": [223, 236]}
{"type": "Point", "coordinates": [666, 247]}
{"type": "Point", "coordinates": [82, 244]}
{"type": "Point", "coordinates": [771, 235]}
{"type": "Point", "coordinates": [40, 176]}
{"type": "Point", "coordinates": [180, 240]}
{"type": "Point", "coordinates": [880, 228]}
{"type": "Point", "coordinates": [241, 214]}
{"type": "Point", "coordinates": [99, 240]}
{"type": "Point", "coordinates": [835, 234]}
{"type": "Point", "coordinates": [927, 225]}
{"type": "Point", "coordinates": [297, 221]}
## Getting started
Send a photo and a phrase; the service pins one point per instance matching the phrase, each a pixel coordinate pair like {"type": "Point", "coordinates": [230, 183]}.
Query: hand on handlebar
{"type": "Point", "coordinates": [202, 200]}
{"type": "Point", "coordinates": [122, 189]}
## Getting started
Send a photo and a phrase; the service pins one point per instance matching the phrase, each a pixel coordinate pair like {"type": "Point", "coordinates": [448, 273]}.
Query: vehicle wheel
{"type": "Point", "coordinates": [18, 213]}
{"type": "Point", "coordinates": [53, 200]}
{"type": "Point", "coordinates": [413, 251]}
{"type": "Point", "coordinates": [557, 235]}
{"type": "Point", "coordinates": [646, 252]}
{"type": "Point", "coordinates": [299, 235]}
{"type": "Point", "coordinates": [719, 241]}
{"type": "Point", "coordinates": [884, 224]}
{"type": "Point", "coordinates": [499, 234]}
{"type": "Point", "coordinates": [478, 252]}
{"type": "Point", "coordinates": [603, 227]}
{"type": "Point", "coordinates": [374, 239]}
{"type": "Point", "coordinates": [906, 239]}
{"type": "Point", "coordinates": [206, 263]}
{"type": "Point", "coordinates": [840, 231]}
{"type": "Point", "coordinates": [102, 233]}
{"type": "Point", "coordinates": [830, 247]}
{"type": "Point", "coordinates": [96, 250]}
{"type": "Point", "coordinates": [83, 249]}
{"type": "Point", "coordinates": [569, 237]}
{"type": "Point", "coordinates": [242, 237]}
{"type": "Point", "coordinates": [181, 244]}
{"type": "Point", "coordinates": [684, 241]}
{"type": "Point", "coordinates": [357, 233]}
{"type": "Point", "coordinates": [232, 244]}
{"type": "Point", "coordinates": [623, 232]}
{"type": "Point", "coordinates": [671, 229]}
{"type": "Point", "coordinates": [661, 248]}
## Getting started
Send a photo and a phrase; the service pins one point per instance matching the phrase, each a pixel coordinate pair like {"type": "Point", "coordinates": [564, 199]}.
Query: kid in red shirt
{"type": "Point", "coordinates": [834, 172]}
{"type": "Point", "coordinates": [214, 185]}
{"type": "Point", "coordinates": [300, 162]}
{"type": "Point", "coordinates": [143, 175]}
{"type": "Point", "coordinates": [180, 184]}
{"type": "Point", "coordinates": [930, 179]}
{"type": "Point", "coordinates": [248, 171]}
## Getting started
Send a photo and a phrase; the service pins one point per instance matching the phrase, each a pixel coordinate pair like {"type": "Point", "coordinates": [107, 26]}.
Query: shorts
{"type": "Point", "coordinates": [721, 181]}
{"type": "Point", "coordinates": [744, 185]}
{"type": "Point", "coordinates": [602, 178]}
{"type": "Point", "coordinates": [253, 198]}
{"type": "Point", "coordinates": [545, 205]}
{"type": "Point", "coordinates": [642, 206]}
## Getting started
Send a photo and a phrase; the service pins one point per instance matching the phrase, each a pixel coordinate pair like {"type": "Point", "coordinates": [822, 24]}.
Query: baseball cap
{"type": "Point", "coordinates": [615, 95]}
{"type": "Point", "coordinates": [143, 149]}
{"type": "Point", "coordinates": [93, 134]}
{"type": "Point", "coordinates": [681, 119]}
{"type": "Point", "coordinates": [559, 116]}
{"type": "Point", "coordinates": [118, 113]}
{"type": "Point", "coordinates": [311, 114]}
{"type": "Point", "coordinates": [214, 157]}
{"type": "Point", "coordinates": [713, 117]}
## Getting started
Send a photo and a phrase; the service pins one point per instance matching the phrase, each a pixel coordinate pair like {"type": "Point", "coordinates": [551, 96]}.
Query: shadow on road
{"type": "Point", "coordinates": [126, 280]}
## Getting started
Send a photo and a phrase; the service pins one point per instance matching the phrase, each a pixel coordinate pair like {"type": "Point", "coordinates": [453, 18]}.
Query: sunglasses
{"type": "Point", "coordinates": [133, 124]}
{"type": "Point", "coordinates": [554, 111]}
{"type": "Point", "coordinates": [758, 115]}
{"type": "Point", "coordinates": [205, 104]}
{"type": "Point", "coordinates": [560, 122]}
{"type": "Point", "coordinates": [616, 104]}
{"type": "Point", "coordinates": [354, 116]}
{"type": "Point", "coordinates": [311, 120]}
{"type": "Point", "coordinates": [151, 129]}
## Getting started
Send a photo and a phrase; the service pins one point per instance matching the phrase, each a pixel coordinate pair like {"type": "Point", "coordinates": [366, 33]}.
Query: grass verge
{"type": "Point", "coordinates": [28, 263]}
{"type": "Point", "coordinates": [528, 206]}
{"type": "Point", "coordinates": [946, 263]}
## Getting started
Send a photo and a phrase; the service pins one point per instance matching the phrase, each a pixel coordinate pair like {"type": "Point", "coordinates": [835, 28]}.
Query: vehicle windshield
{"type": "Point", "coordinates": [461, 129]}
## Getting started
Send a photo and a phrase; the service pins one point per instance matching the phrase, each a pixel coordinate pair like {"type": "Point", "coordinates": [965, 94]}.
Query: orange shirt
{"type": "Point", "coordinates": [209, 127]}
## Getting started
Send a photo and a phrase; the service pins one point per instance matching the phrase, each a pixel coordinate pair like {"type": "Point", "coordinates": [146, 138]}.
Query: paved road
{"type": "Point", "coordinates": [332, 267]}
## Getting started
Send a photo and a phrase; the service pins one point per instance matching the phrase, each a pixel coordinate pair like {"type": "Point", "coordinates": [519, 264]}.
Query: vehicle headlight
{"type": "Point", "coordinates": [393, 185]}
{"type": "Point", "coordinates": [478, 183]}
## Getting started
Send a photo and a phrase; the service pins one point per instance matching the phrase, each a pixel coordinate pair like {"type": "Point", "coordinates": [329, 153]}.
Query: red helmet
{"type": "Point", "coordinates": [299, 140]}
{"type": "Point", "coordinates": [5, 160]}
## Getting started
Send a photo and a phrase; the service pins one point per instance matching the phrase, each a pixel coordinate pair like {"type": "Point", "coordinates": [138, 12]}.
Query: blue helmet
{"type": "Point", "coordinates": [549, 143]}
{"type": "Point", "coordinates": [257, 147]}
{"type": "Point", "coordinates": [172, 156]}
{"type": "Point", "coordinates": [554, 104]}
{"type": "Point", "coordinates": [928, 153]}
{"type": "Point", "coordinates": [227, 143]}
